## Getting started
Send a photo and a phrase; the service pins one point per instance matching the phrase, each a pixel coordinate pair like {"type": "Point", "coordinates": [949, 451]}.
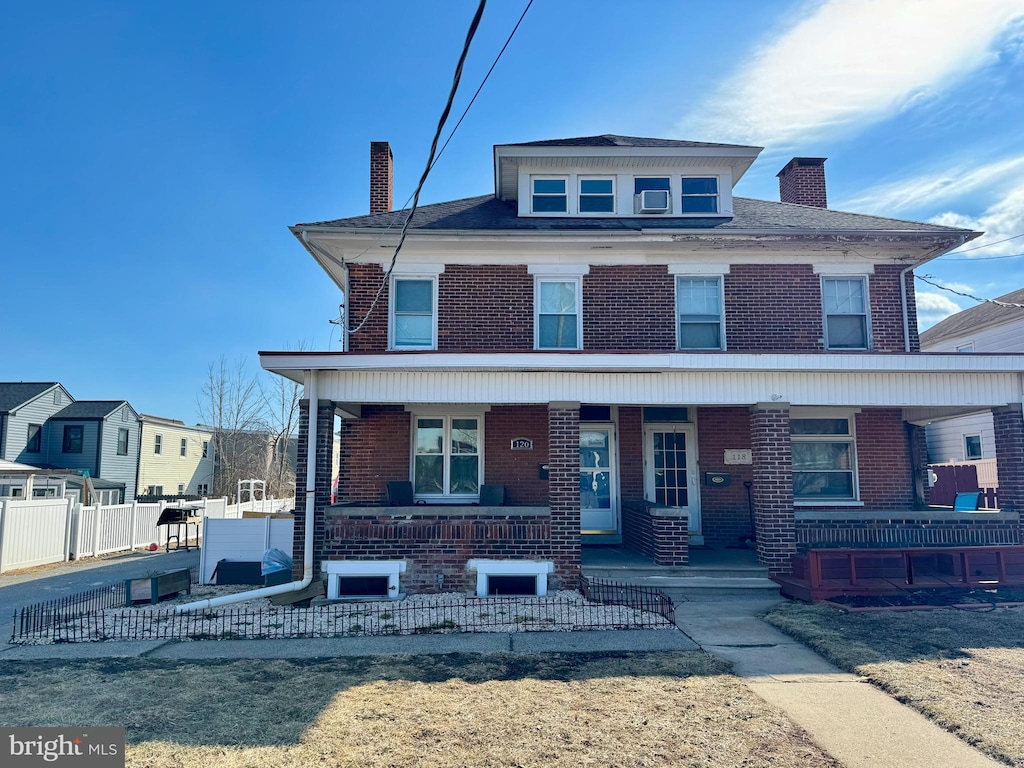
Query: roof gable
{"type": "Point", "coordinates": [91, 409]}
{"type": "Point", "coordinates": [16, 394]}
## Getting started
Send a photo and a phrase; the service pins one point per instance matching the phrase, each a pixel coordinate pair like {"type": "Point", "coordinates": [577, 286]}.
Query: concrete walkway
{"type": "Point", "coordinates": [849, 718]}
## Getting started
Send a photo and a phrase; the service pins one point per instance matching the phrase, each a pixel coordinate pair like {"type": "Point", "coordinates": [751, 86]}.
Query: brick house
{"type": "Point", "coordinates": [637, 358]}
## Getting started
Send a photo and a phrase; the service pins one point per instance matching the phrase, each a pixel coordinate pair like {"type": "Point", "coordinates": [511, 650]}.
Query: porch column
{"type": "Point", "coordinates": [774, 518]}
{"type": "Point", "coordinates": [564, 490]}
{"type": "Point", "coordinates": [1008, 424]}
{"type": "Point", "coordinates": [324, 452]}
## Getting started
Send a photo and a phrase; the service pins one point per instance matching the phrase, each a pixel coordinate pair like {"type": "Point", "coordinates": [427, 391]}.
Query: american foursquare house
{"type": "Point", "coordinates": [613, 349]}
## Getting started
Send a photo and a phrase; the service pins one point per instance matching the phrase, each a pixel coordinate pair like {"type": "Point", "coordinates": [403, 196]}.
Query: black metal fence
{"type": "Point", "coordinates": [601, 605]}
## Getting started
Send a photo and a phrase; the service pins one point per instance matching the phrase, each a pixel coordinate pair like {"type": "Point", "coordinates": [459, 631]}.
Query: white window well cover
{"type": "Point", "coordinates": [485, 568]}
{"type": "Point", "coordinates": [337, 569]}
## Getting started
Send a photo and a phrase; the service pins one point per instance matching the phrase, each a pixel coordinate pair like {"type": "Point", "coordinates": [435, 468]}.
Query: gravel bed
{"type": "Point", "coordinates": [450, 612]}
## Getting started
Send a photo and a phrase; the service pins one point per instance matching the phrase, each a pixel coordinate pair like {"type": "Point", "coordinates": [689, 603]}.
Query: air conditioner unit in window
{"type": "Point", "coordinates": [654, 201]}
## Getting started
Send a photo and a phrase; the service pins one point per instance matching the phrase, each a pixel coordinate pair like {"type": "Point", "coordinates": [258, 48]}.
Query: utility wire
{"type": "Point", "coordinates": [984, 258]}
{"type": "Point", "coordinates": [394, 219]}
{"type": "Point", "coordinates": [989, 245]}
{"type": "Point", "coordinates": [925, 279]}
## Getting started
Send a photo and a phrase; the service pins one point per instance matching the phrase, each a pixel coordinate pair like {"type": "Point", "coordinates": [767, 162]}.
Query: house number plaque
{"type": "Point", "coordinates": [738, 456]}
{"type": "Point", "coordinates": [522, 443]}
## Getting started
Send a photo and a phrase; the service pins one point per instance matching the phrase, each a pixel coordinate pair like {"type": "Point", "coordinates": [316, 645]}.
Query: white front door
{"type": "Point", "coordinates": [599, 493]}
{"type": "Point", "coordinates": [670, 468]}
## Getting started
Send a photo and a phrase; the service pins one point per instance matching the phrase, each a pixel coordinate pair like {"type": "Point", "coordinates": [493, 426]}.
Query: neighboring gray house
{"type": "Point", "coordinates": [986, 328]}
{"type": "Point", "coordinates": [25, 408]}
{"type": "Point", "coordinates": [100, 436]}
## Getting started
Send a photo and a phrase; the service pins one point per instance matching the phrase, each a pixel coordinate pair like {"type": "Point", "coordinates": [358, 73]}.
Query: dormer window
{"type": "Point", "coordinates": [550, 195]}
{"type": "Point", "coordinates": [652, 195]}
{"type": "Point", "coordinates": [699, 194]}
{"type": "Point", "coordinates": [597, 195]}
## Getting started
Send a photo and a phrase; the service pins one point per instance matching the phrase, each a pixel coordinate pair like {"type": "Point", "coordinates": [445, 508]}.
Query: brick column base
{"type": "Point", "coordinates": [564, 491]}
{"type": "Point", "coordinates": [324, 451]}
{"type": "Point", "coordinates": [774, 518]}
{"type": "Point", "coordinates": [1008, 425]}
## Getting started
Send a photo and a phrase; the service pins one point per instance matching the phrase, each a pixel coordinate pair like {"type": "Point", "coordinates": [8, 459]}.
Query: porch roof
{"type": "Point", "coordinates": [882, 380]}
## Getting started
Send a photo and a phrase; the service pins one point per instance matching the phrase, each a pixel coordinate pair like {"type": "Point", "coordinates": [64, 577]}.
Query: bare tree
{"type": "Point", "coordinates": [232, 405]}
{"type": "Point", "coordinates": [281, 403]}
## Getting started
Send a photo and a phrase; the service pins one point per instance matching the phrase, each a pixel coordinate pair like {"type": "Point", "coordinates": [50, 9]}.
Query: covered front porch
{"type": "Point", "coordinates": [659, 462]}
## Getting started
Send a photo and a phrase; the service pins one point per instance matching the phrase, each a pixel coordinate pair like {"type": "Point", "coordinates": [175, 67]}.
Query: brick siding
{"type": "Point", "coordinates": [725, 513]}
{"type": "Point", "coordinates": [381, 177]}
{"type": "Point", "coordinates": [773, 488]}
{"type": "Point", "coordinates": [518, 471]}
{"type": "Point", "coordinates": [665, 540]}
{"type": "Point", "coordinates": [1008, 425]}
{"type": "Point", "coordinates": [803, 184]}
{"type": "Point", "coordinates": [374, 449]}
{"type": "Point", "coordinates": [629, 308]}
{"type": "Point", "coordinates": [564, 492]}
{"type": "Point", "coordinates": [434, 545]}
{"type": "Point", "coordinates": [322, 495]}
{"type": "Point", "coordinates": [631, 452]}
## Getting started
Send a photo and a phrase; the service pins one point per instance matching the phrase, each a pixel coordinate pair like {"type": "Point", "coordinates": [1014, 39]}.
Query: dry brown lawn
{"type": "Point", "coordinates": [963, 669]}
{"type": "Point", "coordinates": [666, 709]}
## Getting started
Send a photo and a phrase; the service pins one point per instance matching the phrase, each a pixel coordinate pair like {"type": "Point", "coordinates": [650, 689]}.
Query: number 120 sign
{"type": "Point", "coordinates": [522, 443]}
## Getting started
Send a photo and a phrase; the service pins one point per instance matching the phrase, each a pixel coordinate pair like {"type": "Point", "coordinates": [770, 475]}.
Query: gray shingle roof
{"type": "Point", "coordinates": [613, 140]}
{"type": "Point", "coordinates": [88, 409]}
{"type": "Point", "coordinates": [981, 316]}
{"type": "Point", "coordinates": [15, 393]}
{"type": "Point", "coordinates": [487, 213]}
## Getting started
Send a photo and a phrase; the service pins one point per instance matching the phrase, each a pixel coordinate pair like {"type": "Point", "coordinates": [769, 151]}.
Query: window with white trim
{"type": "Point", "coordinates": [652, 194]}
{"type": "Point", "coordinates": [158, 444]}
{"type": "Point", "coordinates": [699, 194]}
{"type": "Point", "coordinates": [447, 456]}
{"type": "Point", "coordinates": [549, 194]}
{"type": "Point", "coordinates": [413, 312]}
{"type": "Point", "coordinates": [845, 303]}
{"type": "Point", "coordinates": [183, 449]}
{"type": "Point", "coordinates": [597, 194]}
{"type": "Point", "coordinates": [968, 347]}
{"type": "Point", "coordinates": [122, 441]}
{"type": "Point", "coordinates": [699, 321]}
{"type": "Point", "coordinates": [972, 447]}
{"type": "Point", "coordinates": [824, 459]}
{"type": "Point", "coordinates": [558, 319]}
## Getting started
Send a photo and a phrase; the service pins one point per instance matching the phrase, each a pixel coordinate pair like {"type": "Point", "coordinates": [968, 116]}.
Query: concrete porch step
{"type": "Point", "coordinates": [618, 573]}
{"type": "Point", "coordinates": [698, 588]}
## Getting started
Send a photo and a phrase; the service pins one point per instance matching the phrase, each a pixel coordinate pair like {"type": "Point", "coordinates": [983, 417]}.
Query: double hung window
{"type": "Point", "coordinates": [413, 313]}
{"type": "Point", "coordinates": [597, 195]}
{"type": "Point", "coordinates": [35, 438]}
{"type": "Point", "coordinates": [846, 313]}
{"type": "Point", "coordinates": [699, 312]}
{"type": "Point", "coordinates": [699, 194]}
{"type": "Point", "coordinates": [72, 438]}
{"type": "Point", "coordinates": [824, 459]}
{"type": "Point", "coordinates": [549, 195]}
{"type": "Point", "coordinates": [122, 441]}
{"type": "Point", "coordinates": [558, 320]}
{"type": "Point", "coordinates": [652, 194]}
{"type": "Point", "coordinates": [447, 456]}
{"type": "Point", "coordinates": [158, 444]}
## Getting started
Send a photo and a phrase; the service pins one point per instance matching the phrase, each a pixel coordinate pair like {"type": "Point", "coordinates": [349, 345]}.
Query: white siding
{"type": "Point", "coordinates": [946, 438]}
{"type": "Point", "coordinates": [1007, 337]}
{"type": "Point", "coordinates": [170, 469]}
{"type": "Point", "coordinates": [245, 540]}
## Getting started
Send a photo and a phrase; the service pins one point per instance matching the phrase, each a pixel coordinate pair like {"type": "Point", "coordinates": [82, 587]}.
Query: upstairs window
{"type": "Point", "coordinates": [652, 195]}
{"type": "Point", "coordinates": [158, 444]}
{"type": "Point", "coordinates": [558, 322]}
{"type": "Point", "coordinates": [183, 450]}
{"type": "Point", "coordinates": [968, 347]}
{"type": "Point", "coordinates": [122, 441]}
{"type": "Point", "coordinates": [824, 459]}
{"type": "Point", "coordinates": [206, 449]}
{"type": "Point", "coordinates": [846, 313]}
{"type": "Point", "coordinates": [597, 195]}
{"type": "Point", "coordinates": [413, 313]}
{"type": "Point", "coordinates": [34, 444]}
{"type": "Point", "coordinates": [699, 312]}
{"type": "Point", "coordinates": [549, 195]}
{"type": "Point", "coordinates": [446, 456]}
{"type": "Point", "coordinates": [699, 194]}
{"type": "Point", "coordinates": [72, 438]}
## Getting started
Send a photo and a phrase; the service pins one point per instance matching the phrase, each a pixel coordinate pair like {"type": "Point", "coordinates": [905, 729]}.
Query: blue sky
{"type": "Point", "coordinates": [153, 154]}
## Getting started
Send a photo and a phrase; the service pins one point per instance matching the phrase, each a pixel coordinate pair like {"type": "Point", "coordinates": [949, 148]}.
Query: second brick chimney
{"type": "Point", "coordinates": [382, 177]}
{"type": "Point", "coordinates": [802, 181]}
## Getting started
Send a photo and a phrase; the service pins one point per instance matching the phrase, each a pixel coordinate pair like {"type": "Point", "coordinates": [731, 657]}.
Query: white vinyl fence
{"type": "Point", "coordinates": [33, 532]}
{"type": "Point", "coordinates": [244, 539]}
{"type": "Point", "coordinates": [40, 531]}
{"type": "Point", "coordinates": [259, 506]}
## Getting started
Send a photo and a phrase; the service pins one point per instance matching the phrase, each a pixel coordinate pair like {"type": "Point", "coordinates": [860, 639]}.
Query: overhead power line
{"type": "Point", "coordinates": [930, 280]}
{"type": "Point", "coordinates": [984, 258]}
{"type": "Point", "coordinates": [989, 245]}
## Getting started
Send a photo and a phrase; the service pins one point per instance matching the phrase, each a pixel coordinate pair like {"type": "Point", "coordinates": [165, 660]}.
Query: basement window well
{"type": "Point", "coordinates": [511, 577]}
{"type": "Point", "coordinates": [362, 578]}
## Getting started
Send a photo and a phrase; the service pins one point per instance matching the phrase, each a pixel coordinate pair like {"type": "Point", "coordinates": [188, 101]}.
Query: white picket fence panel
{"type": "Point", "coordinates": [259, 506]}
{"type": "Point", "coordinates": [33, 532]}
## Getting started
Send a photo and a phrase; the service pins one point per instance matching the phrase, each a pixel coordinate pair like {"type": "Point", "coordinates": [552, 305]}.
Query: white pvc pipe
{"type": "Point", "coordinates": [312, 397]}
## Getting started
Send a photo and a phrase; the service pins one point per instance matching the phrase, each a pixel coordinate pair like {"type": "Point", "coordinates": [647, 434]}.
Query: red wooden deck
{"type": "Point", "coordinates": [825, 573]}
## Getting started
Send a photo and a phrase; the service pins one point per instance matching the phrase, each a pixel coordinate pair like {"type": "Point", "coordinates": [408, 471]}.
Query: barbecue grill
{"type": "Point", "coordinates": [177, 517]}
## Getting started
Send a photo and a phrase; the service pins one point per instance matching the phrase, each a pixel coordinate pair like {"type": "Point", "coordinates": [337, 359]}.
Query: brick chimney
{"type": "Point", "coordinates": [802, 181]}
{"type": "Point", "coordinates": [382, 177]}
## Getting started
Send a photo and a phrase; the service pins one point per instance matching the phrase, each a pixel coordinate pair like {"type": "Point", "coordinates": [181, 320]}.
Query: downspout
{"type": "Point", "coordinates": [312, 396]}
{"type": "Point", "coordinates": [906, 308]}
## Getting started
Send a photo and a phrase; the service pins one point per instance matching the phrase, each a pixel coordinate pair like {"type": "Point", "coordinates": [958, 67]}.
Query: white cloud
{"type": "Point", "coordinates": [1003, 220]}
{"type": "Point", "coordinates": [933, 307]}
{"type": "Point", "coordinates": [927, 189]}
{"type": "Point", "coordinates": [851, 62]}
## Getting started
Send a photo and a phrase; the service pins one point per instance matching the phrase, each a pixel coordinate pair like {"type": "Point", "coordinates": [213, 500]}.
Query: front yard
{"type": "Point", "coordinates": [666, 709]}
{"type": "Point", "coordinates": [964, 669]}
